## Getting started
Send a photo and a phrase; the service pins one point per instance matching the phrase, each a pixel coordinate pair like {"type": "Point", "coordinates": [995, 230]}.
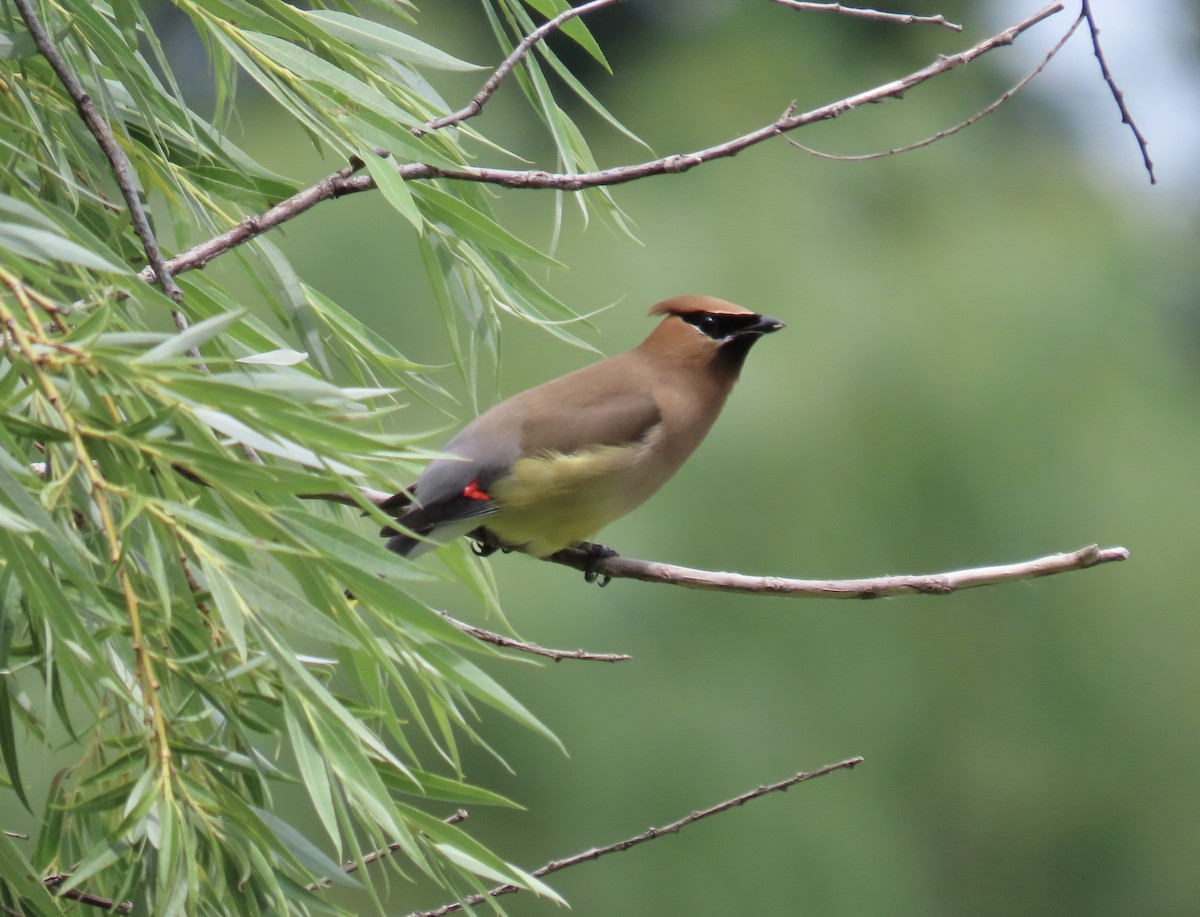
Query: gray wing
{"type": "Point", "coordinates": [590, 407]}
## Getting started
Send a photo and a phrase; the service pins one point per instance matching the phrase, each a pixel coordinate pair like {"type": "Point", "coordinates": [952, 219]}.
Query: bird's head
{"type": "Point", "coordinates": [707, 331]}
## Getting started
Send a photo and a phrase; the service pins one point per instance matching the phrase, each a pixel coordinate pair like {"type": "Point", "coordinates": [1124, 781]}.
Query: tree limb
{"type": "Point", "coordinates": [875, 587]}
{"type": "Point", "coordinates": [475, 106]}
{"type": "Point", "coordinates": [877, 15]}
{"type": "Point", "coordinates": [74, 894]}
{"type": "Point", "coordinates": [119, 163]}
{"type": "Point", "coordinates": [870, 588]}
{"type": "Point", "coordinates": [340, 183]}
{"type": "Point", "coordinates": [950, 131]}
{"type": "Point", "coordinates": [1118, 96]}
{"type": "Point", "coordinates": [650, 834]}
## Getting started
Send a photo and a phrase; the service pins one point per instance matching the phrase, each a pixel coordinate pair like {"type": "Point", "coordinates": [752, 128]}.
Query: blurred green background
{"type": "Point", "coordinates": [991, 354]}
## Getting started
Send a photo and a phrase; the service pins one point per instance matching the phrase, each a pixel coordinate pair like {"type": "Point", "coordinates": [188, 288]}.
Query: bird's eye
{"type": "Point", "coordinates": [707, 323]}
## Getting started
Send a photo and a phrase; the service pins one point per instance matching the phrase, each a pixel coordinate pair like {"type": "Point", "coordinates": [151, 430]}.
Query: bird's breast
{"type": "Point", "coordinates": [552, 500]}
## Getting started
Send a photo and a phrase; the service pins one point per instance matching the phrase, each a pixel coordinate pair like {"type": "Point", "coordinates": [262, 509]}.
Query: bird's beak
{"type": "Point", "coordinates": [764, 325]}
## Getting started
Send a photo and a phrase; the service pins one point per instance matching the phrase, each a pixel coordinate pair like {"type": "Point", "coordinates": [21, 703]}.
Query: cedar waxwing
{"type": "Point", "coordinates": [551, 466]}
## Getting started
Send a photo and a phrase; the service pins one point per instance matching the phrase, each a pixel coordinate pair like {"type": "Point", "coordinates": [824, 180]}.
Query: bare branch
{"type": "Point", "coordinates": [117, 160]}
{"type": "Point", "coordinates": [475, 106]}
{"type": "Point", "coordinates": [871, 588]}
{"type": "Point", "coordinates": [950, 131]}
{"type": "Point", "coordinates": [340, 183]}
{"type": "Point", "coordinates": [253, 226]}
{"type": "Point", "coordinates": [649, 835]}
{"type": "Point", "coordinates": [902, 18]}
{"type": "Point", "coordinates": [521, 51]}
{"type": "Point", "coordinates": [488, 636]}
{"type": "Point", "coordinates": [1118, 96]}
{"type": "Point", "coordinates": [875, 587]}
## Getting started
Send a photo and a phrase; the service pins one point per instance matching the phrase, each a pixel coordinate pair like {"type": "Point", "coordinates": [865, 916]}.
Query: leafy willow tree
{"type": "Point", "coordinates": [187, 643]}
{"type": "Point", "coordinates": [176, 633]}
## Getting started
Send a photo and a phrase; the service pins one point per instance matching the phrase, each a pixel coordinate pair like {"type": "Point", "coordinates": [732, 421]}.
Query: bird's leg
{"type": "Point", "coordinates": [595, 553]}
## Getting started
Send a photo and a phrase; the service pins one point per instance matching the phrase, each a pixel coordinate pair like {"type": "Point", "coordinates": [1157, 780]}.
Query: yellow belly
{"type": "Point", "coordinates": [549, 502]}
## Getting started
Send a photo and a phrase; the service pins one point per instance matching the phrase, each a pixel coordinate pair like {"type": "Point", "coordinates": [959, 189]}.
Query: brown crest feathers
{"type": "Point", "coordinates": [685, 305]}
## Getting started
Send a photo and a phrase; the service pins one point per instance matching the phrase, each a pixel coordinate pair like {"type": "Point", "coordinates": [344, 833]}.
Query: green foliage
{"type": "Point", "coordinates": [177, 631]}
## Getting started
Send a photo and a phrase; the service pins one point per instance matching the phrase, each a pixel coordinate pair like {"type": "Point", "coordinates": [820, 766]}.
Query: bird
{"type": "Point", "coordinates": [548, 468]}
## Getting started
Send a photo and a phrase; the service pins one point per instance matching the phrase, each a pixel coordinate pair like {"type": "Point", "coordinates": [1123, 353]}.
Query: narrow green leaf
{"type": "Point", "coordinates": [102, 855]}
{"type": "Point", "coordinates": [47, 247]}
{"type": "Point", "coordinates": [282, 448]}
{"type": "Point", "coordinates": [305, 851]}
{"type": "Point", "coordinates": [296, 307]}
{"type": "Point", "coordinates": [26, 212]}
{"type": "Point", "coordinates": [575, 28]}
{"type": "Point", "coordinates": [187, 340]}
{"type": "Point", "coordinates": [281, 357]}
{"type": "Point", "coordinates": [50, 835]}
{"type": "Point", "coordinates": [312, 770]}
{"type": "Point", "coordinates": [14, 523]}
{"type": "Point", "coordinates": [440, 206]}
{"type": "Point", "coordinates": [394, 188]}
{"type": "Point", "coordinates": [367, 35]}
{"type": "Point", "coordinates": [16, 45]}
{"type": "Point", "coordinates": [230, 607]}
{"type": "Point", "coordinates": [17, 875]}
{"type": "Point", "coordinates": [65, 549]}
{"type": "Point", "coordinates": [8, 735]}
{"type": "Point", "coordinates": [445, 789]}
{"type": "Point", "coordinates": [479, 684]}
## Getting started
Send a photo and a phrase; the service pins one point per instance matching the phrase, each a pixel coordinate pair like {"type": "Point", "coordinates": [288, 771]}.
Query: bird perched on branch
{"type": "Point", "coordinates": [551, 466]}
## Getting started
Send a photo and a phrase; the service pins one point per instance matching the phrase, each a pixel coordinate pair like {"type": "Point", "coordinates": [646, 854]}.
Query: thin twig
{"type": "Point", "coordinates": [870, 588]}
{"type": "Point", "coordinates": [339, 184]}
{"type": "Point", "coordinates": [860, 13]}
{"type": "Point", "coordinates": [950, 131]}
{"type": "Point", "coordinates": [521, 51]}
{"type": "Point", "coordinates": [351, 865]}
{"type": "Point", "coordinates": [488, 636]}
{"type": "Point", "coordinates": [117, 160]}
{"type": "Point", "coordinates": [649, 835]}
{"type": "Point", "coordinates": [1117, 94]}
{"type": "Point", "coordinates": [475, 106]}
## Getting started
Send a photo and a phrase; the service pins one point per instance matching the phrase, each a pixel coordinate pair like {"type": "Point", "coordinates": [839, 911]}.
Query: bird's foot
{"type": "Point", "coordinates": [482, 548]}
{"type": "Point", "coordinates": [596, 553]}
{"type": "Point", "coordinates": [484, 543]}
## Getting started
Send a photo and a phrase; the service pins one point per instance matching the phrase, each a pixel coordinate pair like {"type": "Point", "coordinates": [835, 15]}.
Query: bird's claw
{"type": "Point", "coordinates": [483, 548]}
{"type": "Point", "coordinates": [595, 554]}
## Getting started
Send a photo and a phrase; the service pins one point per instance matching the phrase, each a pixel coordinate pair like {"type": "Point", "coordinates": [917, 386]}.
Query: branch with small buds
{"type": "Point", "coordinates": [876, 15]}
{"type": "Point", "coordinates": [875, 587]}
{"type": "Point", "coordinates": [961, 125]}
{"type": "Point", "coordinates": [596, 561]}
{"type": "Point", "coordinates": [487, 636]}
{"type": "Point", "coordinates": [650, 834]}
{"type": "Point", "coordinates": [1085, 12]}
{"type": "Point", "coordinates": [354, 865]}
{"type": "Point", "coordinates": [346, 181]}
{"type": "Point", "coordinates": [122, 171]}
